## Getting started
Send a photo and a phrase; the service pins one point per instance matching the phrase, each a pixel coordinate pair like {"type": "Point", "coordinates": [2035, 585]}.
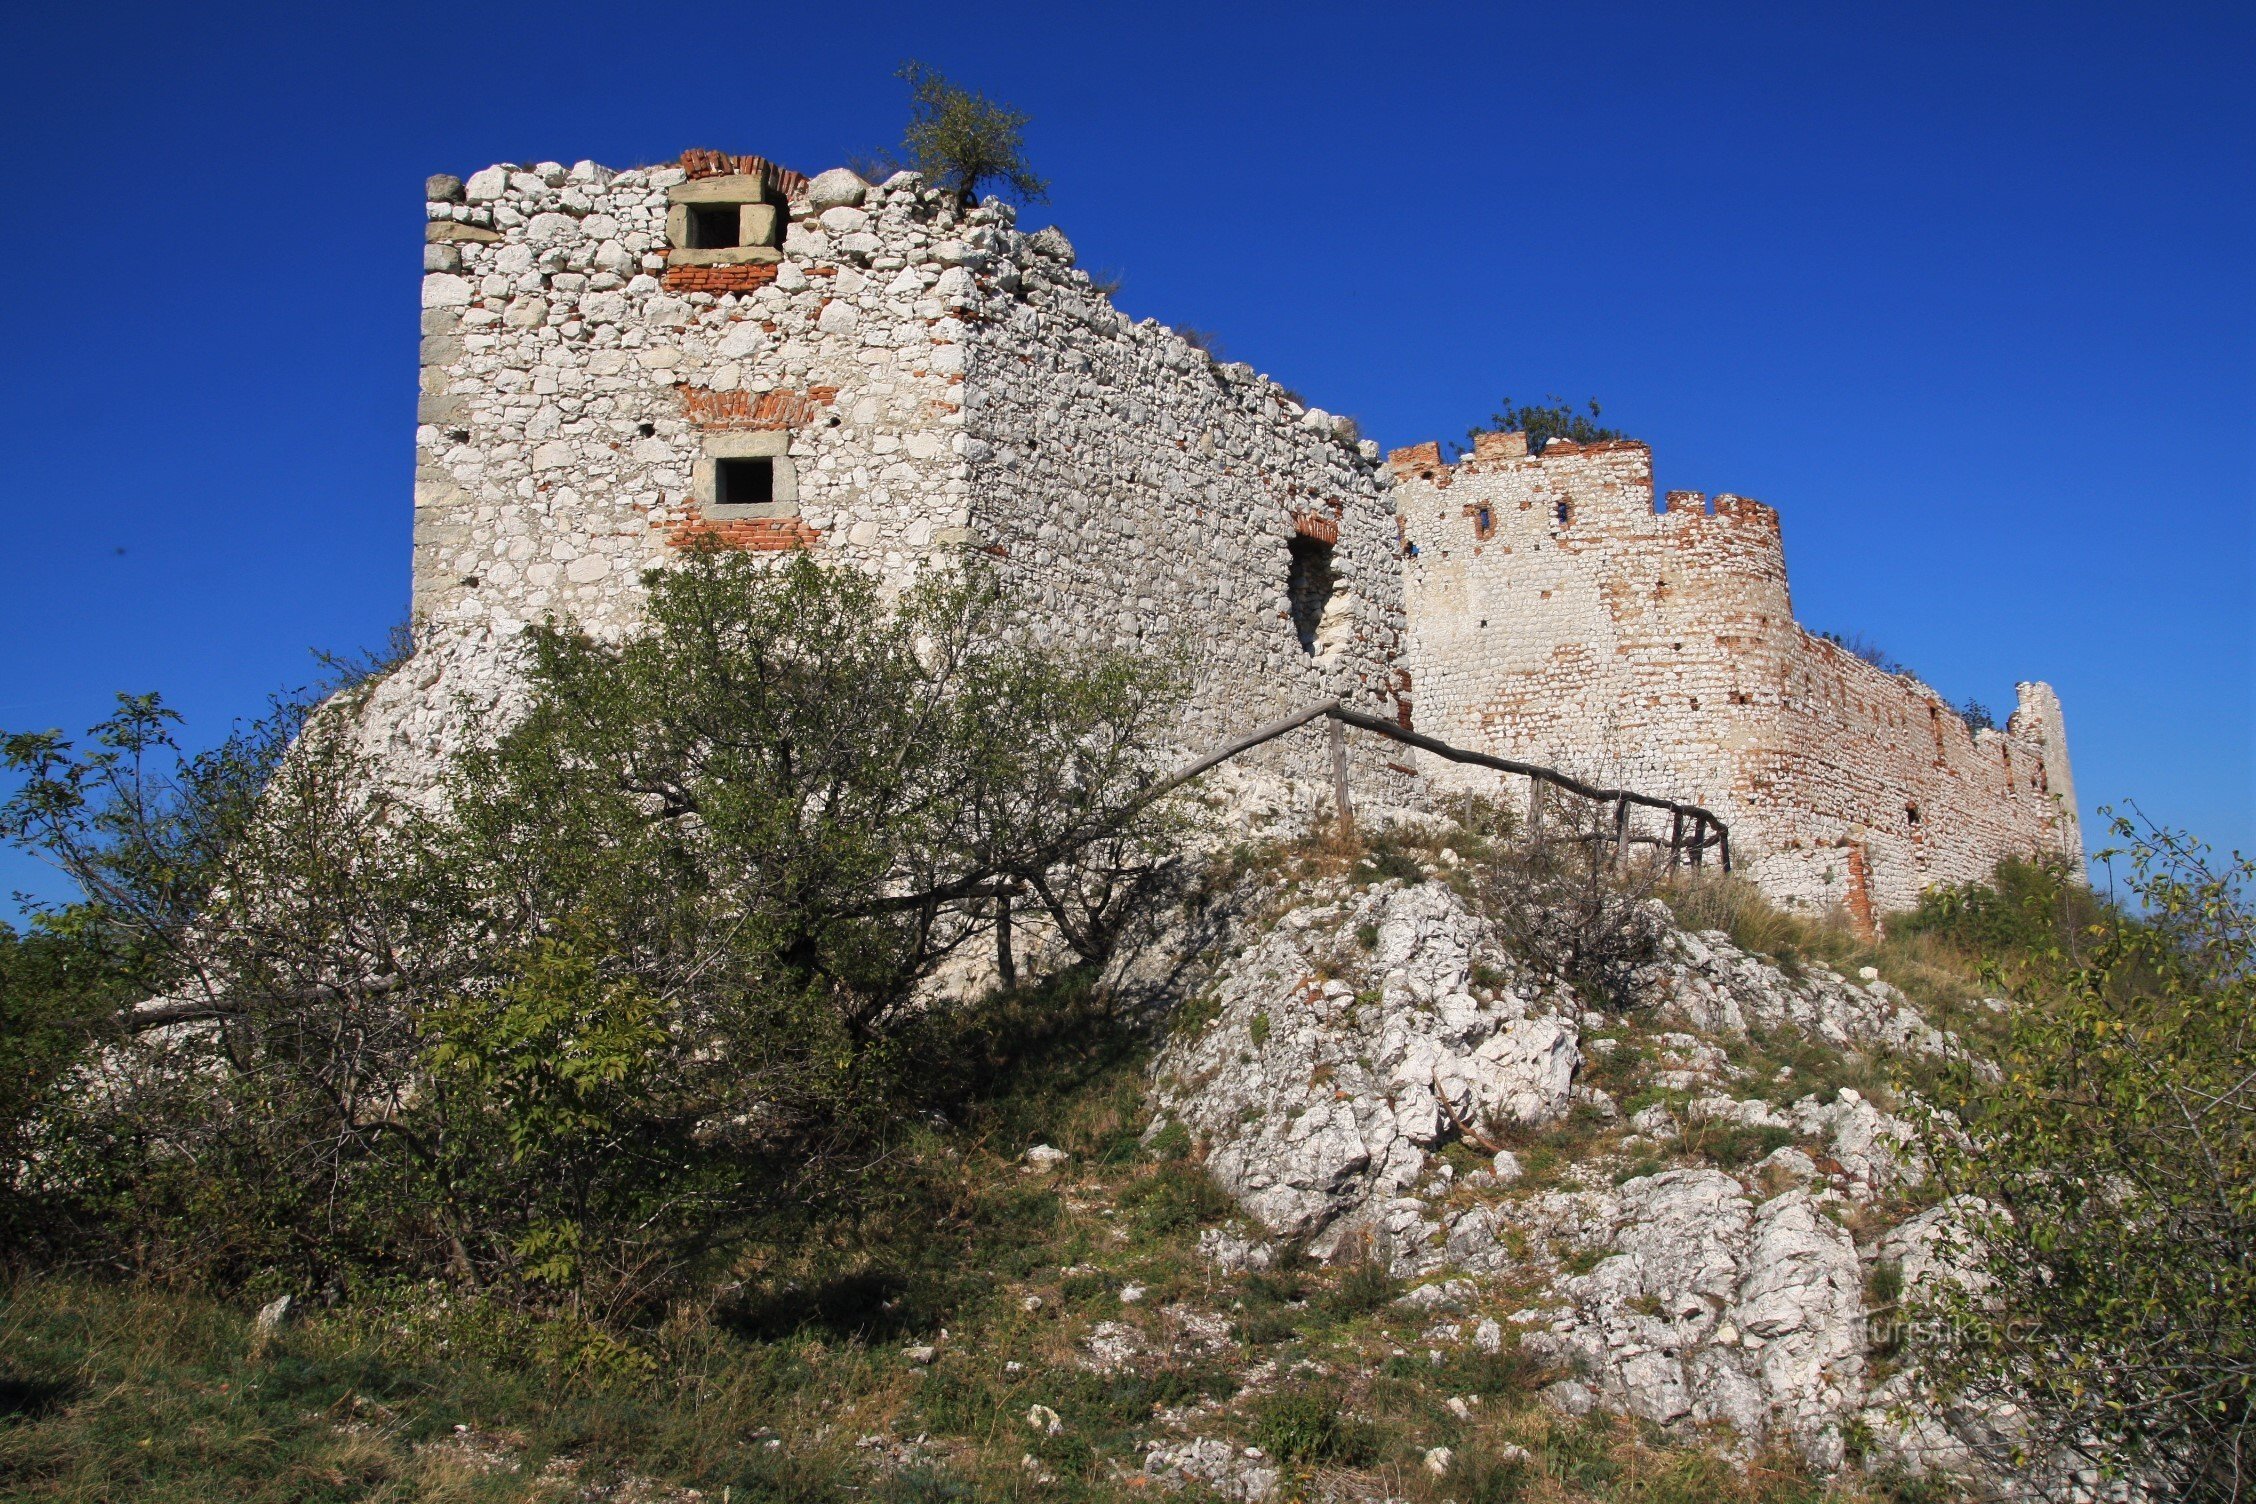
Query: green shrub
{"type": "Point", "coordinates": [1312, 1424]}
{"type": "Point", "coordinates": [1553, 418]}
{"type": "Point", "coordinates": [2113, 1147]}
{"type": "Point", "coordinates": [961, 141]}
{"type": "Point", "coordinates": [649, 981]}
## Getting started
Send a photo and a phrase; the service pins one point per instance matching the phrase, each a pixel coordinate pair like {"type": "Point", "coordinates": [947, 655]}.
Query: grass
{"type": "Point", "coordinates": [1930, 967]}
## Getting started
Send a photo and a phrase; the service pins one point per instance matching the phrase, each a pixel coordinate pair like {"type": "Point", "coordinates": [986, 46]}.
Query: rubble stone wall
{"type": "Point", "coordinates": [580, 374]}
{"type": "Point", "coordinates": [1557, 617]}
{"type": "Point", "coordinates": [1141, 494]}
{"type": "Point", "coordinates": [931, 385]}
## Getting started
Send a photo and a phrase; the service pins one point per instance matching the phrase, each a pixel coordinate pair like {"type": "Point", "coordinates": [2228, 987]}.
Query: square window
{"type": "Point", "coordinates": [715, 227]}
{"type": "Point", "coordinates": [744, 482]}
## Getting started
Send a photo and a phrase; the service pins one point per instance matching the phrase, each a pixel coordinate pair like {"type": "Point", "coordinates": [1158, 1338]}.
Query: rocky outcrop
{"type": "Point", "coordinates": [1351, 1041]}
{"type": "Point", "coordinates": [1347, 1042]}
{"type": "Point", "coordinates": [1713, 1308]}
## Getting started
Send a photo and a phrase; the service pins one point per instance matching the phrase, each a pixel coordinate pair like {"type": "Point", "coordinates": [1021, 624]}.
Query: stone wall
{"type": "Point", "coordinates": [1558, 618]}
{"type": "Point", "coordinates": [1141, 494]}
{"type": "Point", "coordinates": [928, 383]}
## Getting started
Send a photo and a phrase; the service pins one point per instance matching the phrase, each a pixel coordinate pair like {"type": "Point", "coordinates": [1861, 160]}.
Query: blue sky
{"type": "Point", "coordinates": [1967, 292]}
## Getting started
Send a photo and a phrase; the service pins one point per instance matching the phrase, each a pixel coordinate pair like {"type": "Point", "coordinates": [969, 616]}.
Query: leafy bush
{"type": "Point", "coordinates": [652, 976]}
{"type": "Point", "coordinates": [960, 140]}
{"type": "Point", "coordinates": [1553, 418]}
{"type": "Point", "coordinates": [2030, 910]}
{"type": "Point", "coordinates": [2108, 1160]}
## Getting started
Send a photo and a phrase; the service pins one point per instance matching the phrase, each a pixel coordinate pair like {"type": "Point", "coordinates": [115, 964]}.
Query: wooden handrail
{"type": "Point", "coordinates": [1697, 843]}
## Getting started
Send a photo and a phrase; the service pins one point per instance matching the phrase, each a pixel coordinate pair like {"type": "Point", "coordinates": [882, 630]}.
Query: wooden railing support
{"type": "Point", "coordinates": [1544, 779]}
{"type": "Point", "coordinates": [1337, 735]}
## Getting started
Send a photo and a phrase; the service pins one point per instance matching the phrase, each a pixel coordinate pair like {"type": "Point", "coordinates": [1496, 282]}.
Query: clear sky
{"type": "Point", "coordinates": [1968, 292]}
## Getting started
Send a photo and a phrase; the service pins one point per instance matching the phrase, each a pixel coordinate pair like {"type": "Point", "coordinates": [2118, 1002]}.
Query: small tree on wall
{"type": "Point", "coordinates": [1552, 418]}
{"type": "Point", "coordinates": [961, 140]}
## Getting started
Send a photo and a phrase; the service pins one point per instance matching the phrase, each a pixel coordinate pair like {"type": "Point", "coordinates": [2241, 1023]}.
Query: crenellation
{"type": "Point", "coordinates": [1659, 648]}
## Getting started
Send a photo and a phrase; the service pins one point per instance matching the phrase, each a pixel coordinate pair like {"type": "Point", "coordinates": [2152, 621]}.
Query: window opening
{"type": "Point", "coordinates": [1309, 584]}
{"type": "Point", "coordinates": [1911, 813]}
{"type": "Point", "coordinates": [1484, 522]}
{"type": "Point", "coordinates": [1566, 514]}
{"type": "Point", "coordinates": [744, 482]}
{"type": "Point", "coordinates": [715, 227]}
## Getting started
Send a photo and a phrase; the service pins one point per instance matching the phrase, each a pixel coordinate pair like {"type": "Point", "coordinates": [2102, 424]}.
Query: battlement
{"type": "Point", "coordinates": [1557, 615]}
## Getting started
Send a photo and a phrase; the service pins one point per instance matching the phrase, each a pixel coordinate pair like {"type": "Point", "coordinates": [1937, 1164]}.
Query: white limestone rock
{"type": "Point", "coordinates": [1320, 1099]}
{"type": "Point", "coordinates": [839, 188]}
{"type": "Point", "coordinates": [1716, 1310]}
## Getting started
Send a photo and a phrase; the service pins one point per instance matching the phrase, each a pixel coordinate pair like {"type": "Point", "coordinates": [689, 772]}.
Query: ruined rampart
{"type": "Point", "coordinates": [616, 364]}
{"type": "Point", "coordinates": [1557, 617]}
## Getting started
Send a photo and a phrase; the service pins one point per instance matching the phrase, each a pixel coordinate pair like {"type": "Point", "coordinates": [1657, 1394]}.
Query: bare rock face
{"type": "Point", "coordinates": [1339, 1049]}
{"type": "Point", "coordinates": [1351, 1041]}
{"type": "Point", "coordinates": [1716, 1309]}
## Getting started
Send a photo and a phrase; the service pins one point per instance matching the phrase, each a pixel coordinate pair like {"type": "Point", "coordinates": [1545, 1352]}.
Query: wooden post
{"type": "Point", "coordinates": [1539, 794]}
{"type": "Point", "coordinates": [1699, 840]}
{"type": "Point", "coordinates": [1621, 830]}
{"type": "Point", "coordinates": [1337, 732]}
{"type": "Point", "coordinates": [1676, 837]}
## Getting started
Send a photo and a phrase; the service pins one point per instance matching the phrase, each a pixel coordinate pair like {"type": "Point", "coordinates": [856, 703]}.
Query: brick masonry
{"type": "Point", "coordinates": [1556, 616]}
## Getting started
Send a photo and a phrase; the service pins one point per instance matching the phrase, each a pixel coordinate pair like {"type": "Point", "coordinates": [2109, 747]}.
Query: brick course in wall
{"type": "Point", "coordinates": [946, 388]}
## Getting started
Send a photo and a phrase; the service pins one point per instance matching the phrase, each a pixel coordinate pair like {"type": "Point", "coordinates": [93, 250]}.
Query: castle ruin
{"type": "Point", "coordinates": [616, 365]}
{"type": "Point", "coordinates": [1557, 617]}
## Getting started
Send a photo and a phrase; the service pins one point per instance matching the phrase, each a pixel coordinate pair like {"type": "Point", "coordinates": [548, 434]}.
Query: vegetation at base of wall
{"type": "Point", "coordinates": [647, 989]}
{"type": "Point", "coordinates": [1552, 418]}
{"type": "Point", "coordinates": [963, 142]}
{"type": "Point", "coordinates": [1933, 968]}
{"type": "Point", "coordinates": [598, 1131]}
{"type": "Point", "coordinates": [2107, 1163]}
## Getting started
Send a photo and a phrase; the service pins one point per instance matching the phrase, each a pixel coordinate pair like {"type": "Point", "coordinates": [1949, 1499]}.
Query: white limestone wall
{"type": "Point", "coordinates": [1130, 490]}
{"type": "Point", "coordinates": [1139, 494]}
{"type": "Point", "coordinates": [1558, 618]}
